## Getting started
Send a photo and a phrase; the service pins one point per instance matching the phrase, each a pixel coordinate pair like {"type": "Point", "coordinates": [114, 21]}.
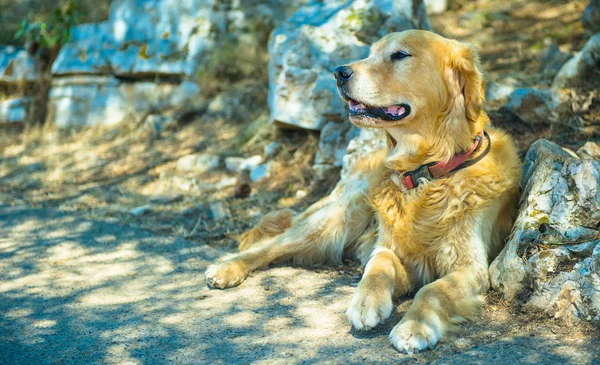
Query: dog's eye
{"type": "Point", "coordinates": [396, 56]}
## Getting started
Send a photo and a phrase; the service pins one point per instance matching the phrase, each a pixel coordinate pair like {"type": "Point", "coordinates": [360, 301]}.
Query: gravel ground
{"type": "Point", "coordinates": [79, 291]}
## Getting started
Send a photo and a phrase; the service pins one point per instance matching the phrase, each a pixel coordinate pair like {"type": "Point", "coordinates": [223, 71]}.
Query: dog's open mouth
{"type": "Point", "coordinates": [394, 112]}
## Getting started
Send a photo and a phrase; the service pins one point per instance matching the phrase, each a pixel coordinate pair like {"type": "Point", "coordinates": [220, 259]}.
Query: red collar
{"type": "Point", "coordinates": [435, 170]}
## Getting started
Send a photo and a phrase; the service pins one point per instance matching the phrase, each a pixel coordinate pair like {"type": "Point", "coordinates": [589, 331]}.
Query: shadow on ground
{"type": "Point", "coordinates": [81, 291]}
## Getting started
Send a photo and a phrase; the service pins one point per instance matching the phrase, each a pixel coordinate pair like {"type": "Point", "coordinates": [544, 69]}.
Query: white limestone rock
{"type": "Point", "coordinates": [552, 59]}
{"type": "Point", "coordinates": [368, 142]}
{"type": "Point", "coordinates": [14, 110]}
{"type": "Point", "coordinates": [499, 90]}
{"type": "Point", "coordinates": [260, 172]}
{"type": "Point", "coordinates": [141, 60]}
{"type": "Point", "coordinates": [552, 259]}
{"type": "Point", "coordinates": [579, 65]}
{"type": "Point", "coordinates": [16, 65]}
{"type": "Point", "coordinates": [198, 163]}
{"type": "Point", "coordinates": [84, 100]}
{"type": "Point", "coordinates": [237, 164]}
{"type": "Point", "coordinates": [537, 106]}
{"type": "Point", "coordinates": [333, 143]}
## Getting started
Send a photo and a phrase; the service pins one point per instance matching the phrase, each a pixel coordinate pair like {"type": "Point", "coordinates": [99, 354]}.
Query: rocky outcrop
{"type": "Point", "coordinates": [306, 49]}
{"type": "Point", "coordinates": [554, 105]}
{"type": "Point", "coordinates": [16, 65]}
{"type": "Point", "coordinates": [14, 110]}
{"type": "Point", "coordinates": [577, 67]}
{"type": "Point", "coordinates": [552, 259]}
{"type": "Point", "coordinates": [552, 59]}
{"type": "Point", "coordinates": [17, 70]}
{"type": "Point", "coordinates": [89, 100]}
{"type": "Point", "coordinates": [368, 142]}
{"type": "Point", "coordinates": [500, 90]}
{"type": "Point", "coordinates": [537, 106]}
{"type": "Point", "coordinates": [333, 142]}
{"type": "Point", "coordinates": [129, 65]}
{"type": "Point", "coordinates": [163, 37]}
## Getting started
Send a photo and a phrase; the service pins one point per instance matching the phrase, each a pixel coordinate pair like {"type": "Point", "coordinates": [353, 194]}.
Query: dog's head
{"type": "Point", "coordinates": [415, 79]}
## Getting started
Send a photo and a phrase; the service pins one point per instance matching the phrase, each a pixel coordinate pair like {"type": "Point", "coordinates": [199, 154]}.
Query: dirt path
{"type": "Point", "coordinates": [81, 291]}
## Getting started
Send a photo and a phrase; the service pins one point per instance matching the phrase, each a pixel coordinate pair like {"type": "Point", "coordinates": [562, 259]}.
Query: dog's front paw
{"type": "Point", "coordinates": [412, 336]}
{"type": "Point", "coordinates": [369, 308]}
{"type": "Point", "coordinates": [226, 274]}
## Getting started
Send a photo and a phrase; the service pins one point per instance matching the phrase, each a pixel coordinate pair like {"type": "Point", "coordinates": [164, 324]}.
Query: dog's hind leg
{"type": "Point", "coordinates": [270, 225]}
{"type": "Point", "coordinates": [316, 236]}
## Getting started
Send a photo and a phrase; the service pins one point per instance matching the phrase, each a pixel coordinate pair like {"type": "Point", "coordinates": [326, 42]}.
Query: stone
{"type": "Point", "coordinates": [198, 163]}
{"type": "Point", "coordinates": [140, 37]}
{"type": "Point", "coordinates": [144, 38]}
{"type": "Point", "coordinates": [181, 183]}
{"type": "Point", "coordinates": [157, 123]}
{"type": "Point", "coordinates": [260, 172]}
{"type": "Point", "coordinates": [436, 6]}
{"type": "Point", "coordinates": [225, 182]}
{"type": "Point", "coordinates": [272, 149]}
{"type": "Point", "coordinates": [537, 106]}
{"type": "Point", "coordinates": [590, 150]}
{"type": "Point", "coordinates": [591, 17]}
{"type": "Point", "coordinates": [552, 59]}
{"type": "Point", "coordinates": [226, 106]}
{"type": "Point", "coordinates": [141, 210]}
{"type": "Point", "coordinates": [305, 49]}
{"type": "Point", "coordinates": [368, 142]}
{"type": "Point", "coordinates": [84, 100]}
{"type": "Point", "coordinates": [499, 90]}
{"type": "Point", "coordinates": [166, 199]}
{"type": "Point", "coordinates": [142, 60]}
{"type": "Point", "coordinates": [218, 211]}
{"type": "Point", "coordinates": [237, 164]}
{"type": "Point", "coordinates": [579, 65]}
{"type": "Point", "coordinates": [14, 110]}
{"type": "Point", "coordinates": [16, 65]}
{"type": "Point", "coordinates": [7, 55]}
{"type": "Point", "coordinates": [552, 259]}
{"type": "Point", "coordinates": [333, 142]}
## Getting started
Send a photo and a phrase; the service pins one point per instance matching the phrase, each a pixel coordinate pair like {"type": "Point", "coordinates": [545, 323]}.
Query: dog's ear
{"type": "Point", "coordinates": [464, 82]}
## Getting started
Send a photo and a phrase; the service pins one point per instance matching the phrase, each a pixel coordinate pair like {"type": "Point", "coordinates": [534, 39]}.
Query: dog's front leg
{"type": "Point", "coordinates": [384, 278]}
{"type": "Point", "coordinates": [448, 300]}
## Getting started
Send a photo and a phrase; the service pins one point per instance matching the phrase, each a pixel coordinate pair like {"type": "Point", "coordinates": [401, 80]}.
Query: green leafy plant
{"type": "Point", "coordinates": [49, 31]}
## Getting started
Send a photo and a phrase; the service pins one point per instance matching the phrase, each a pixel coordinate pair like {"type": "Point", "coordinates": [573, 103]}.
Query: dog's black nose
{"type": "Point", "coordinates": [343, 73]}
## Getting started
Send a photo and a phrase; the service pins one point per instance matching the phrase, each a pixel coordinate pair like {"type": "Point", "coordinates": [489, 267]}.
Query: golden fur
{"type": "Point", "coordinates": [437, 239]}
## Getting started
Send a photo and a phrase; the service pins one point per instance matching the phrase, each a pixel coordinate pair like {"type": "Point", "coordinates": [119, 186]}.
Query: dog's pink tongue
{"type": "Point", "coordinates": [395, 110]}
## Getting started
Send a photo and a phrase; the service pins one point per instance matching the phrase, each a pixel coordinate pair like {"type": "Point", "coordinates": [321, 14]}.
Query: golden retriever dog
{"type": "Point", "coordinates": [427, 215]}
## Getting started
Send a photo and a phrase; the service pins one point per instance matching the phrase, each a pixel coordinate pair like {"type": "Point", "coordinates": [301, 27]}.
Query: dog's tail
{"type": "Point", "coordinates": [270, 225]}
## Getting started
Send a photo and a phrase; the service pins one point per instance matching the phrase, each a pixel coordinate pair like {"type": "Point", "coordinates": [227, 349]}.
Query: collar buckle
{"type": "Point", "coordinates": [412, 179]}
